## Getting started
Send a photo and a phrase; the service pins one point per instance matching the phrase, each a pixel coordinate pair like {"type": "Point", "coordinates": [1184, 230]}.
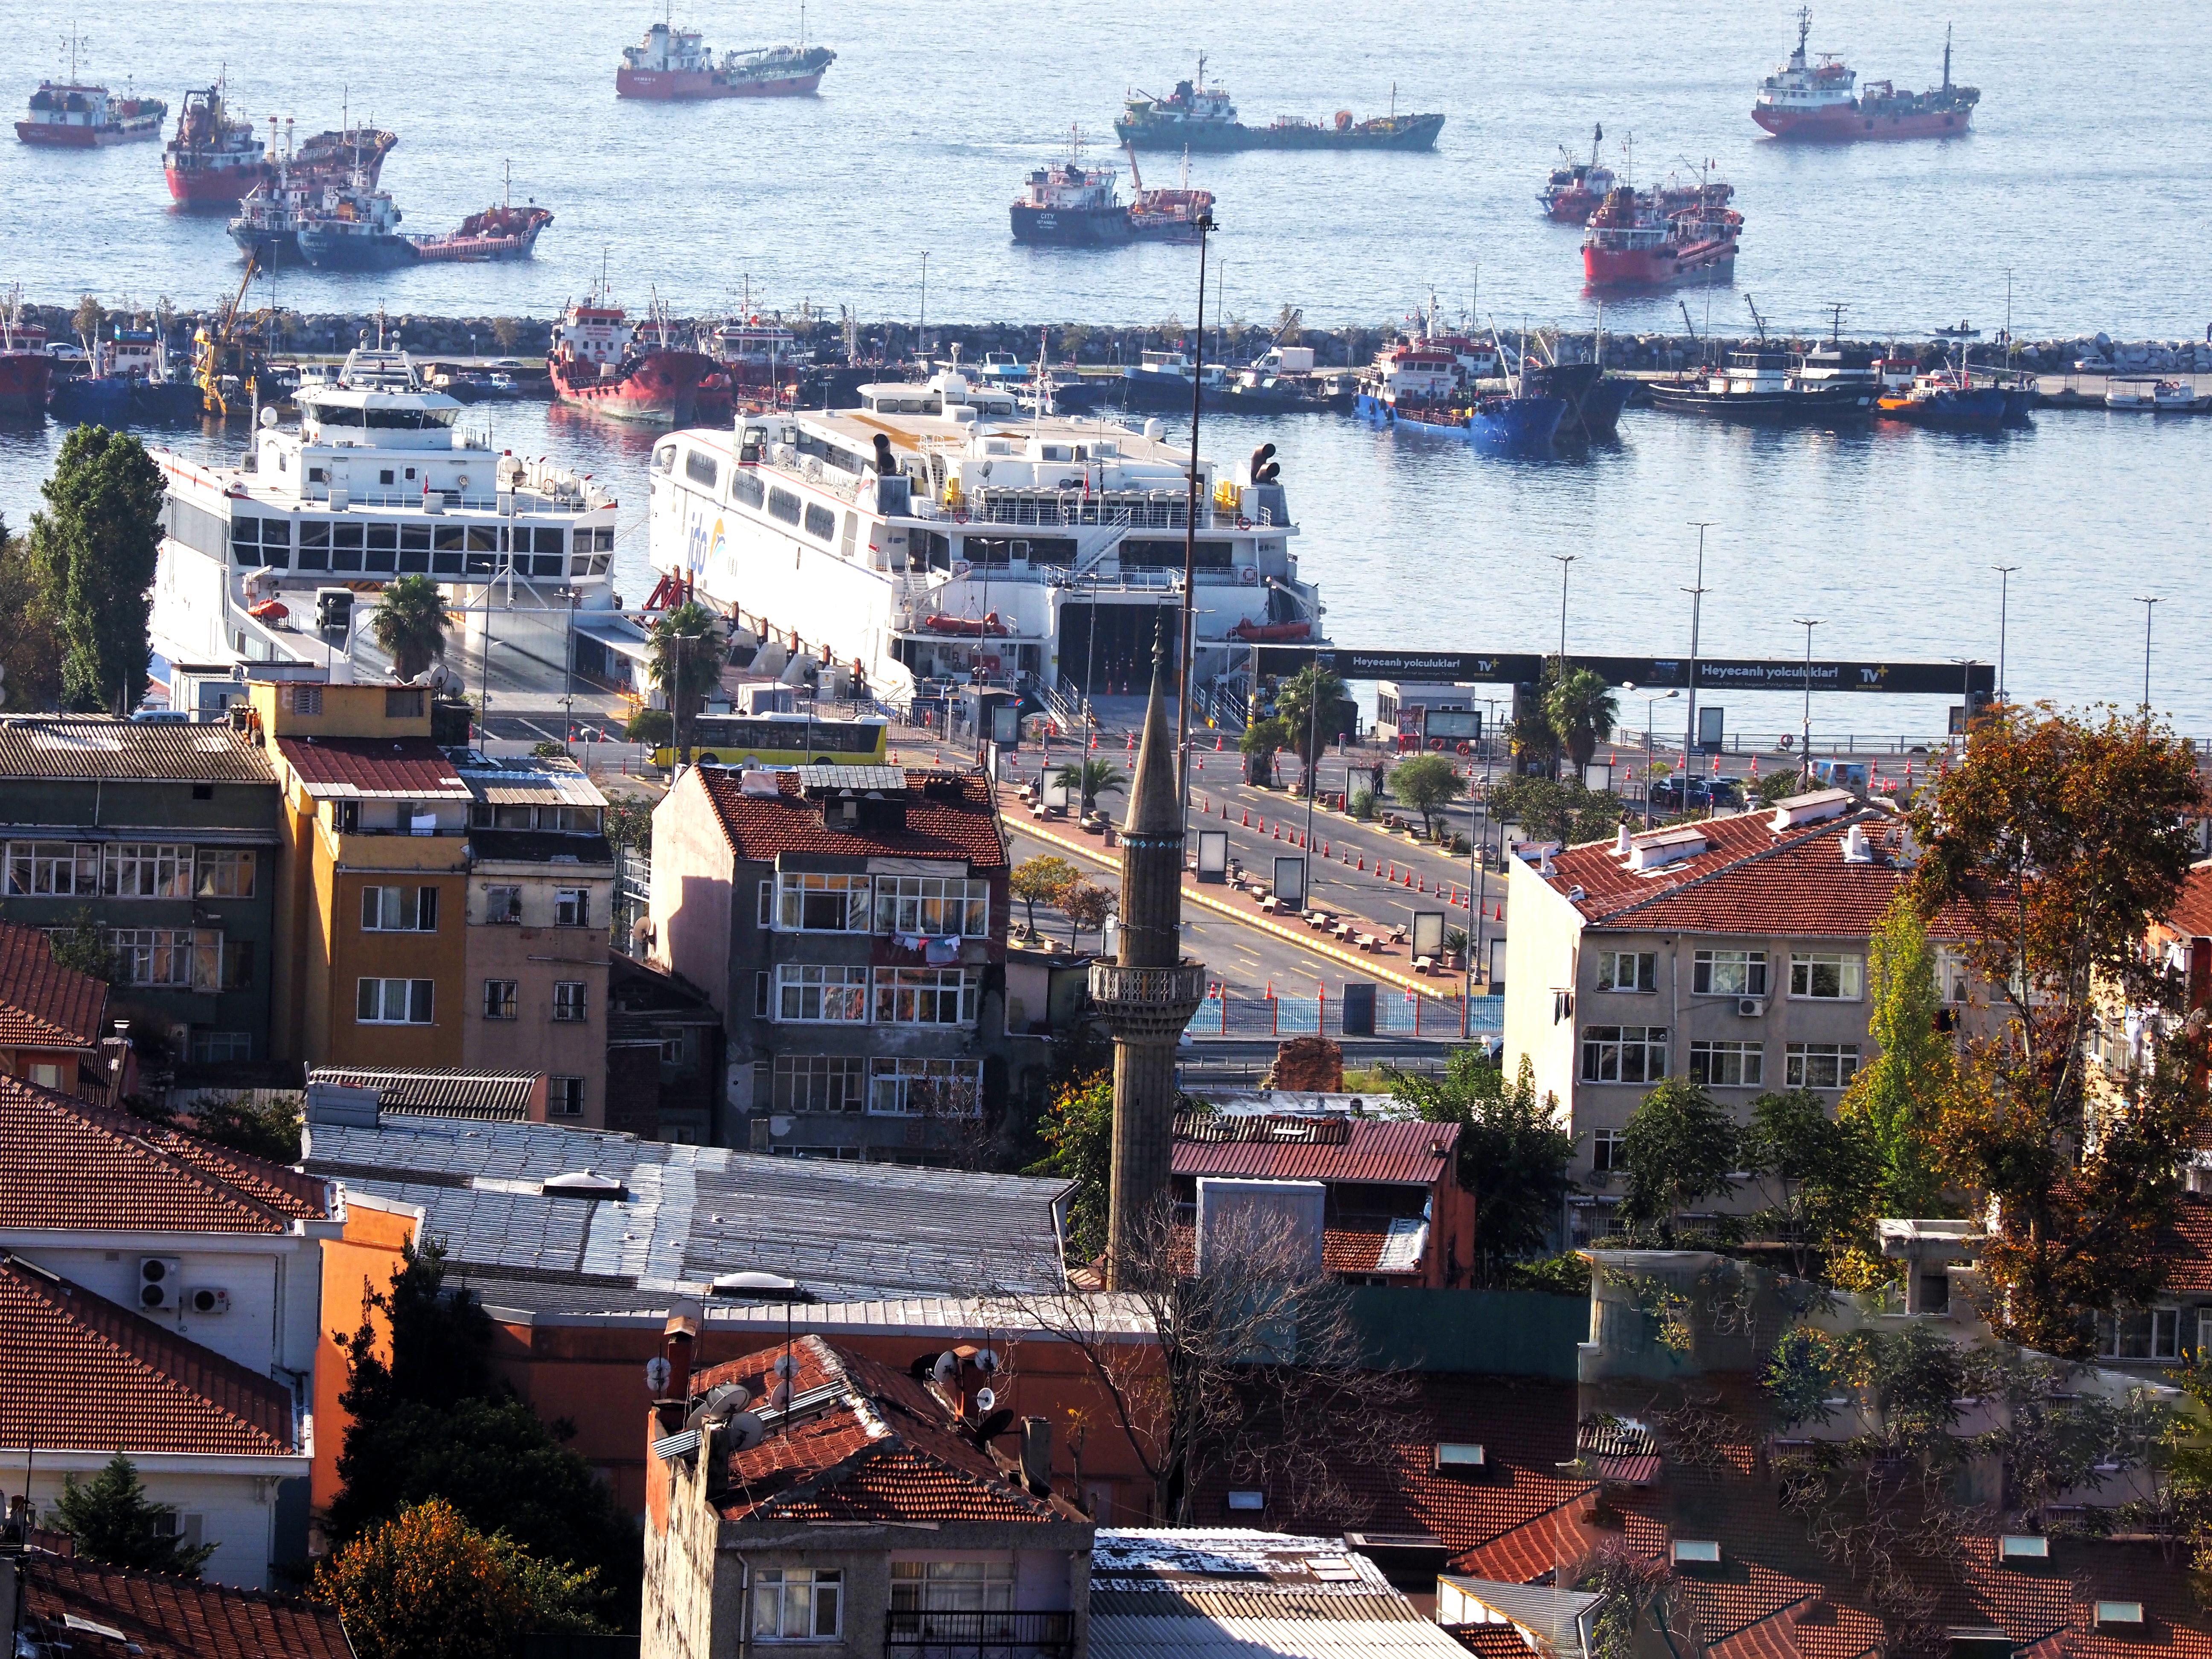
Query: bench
{"type": "Point", "coordinates": [1424, 964]}
{"type": "Point", "coordinates": [1367, 943]}
{"type": "Point", "coordinates": [1271, 904]}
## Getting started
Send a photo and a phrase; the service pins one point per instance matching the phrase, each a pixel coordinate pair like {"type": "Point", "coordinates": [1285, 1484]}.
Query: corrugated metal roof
{"type": "Point", "coordinates": [530, 780]}
{"type": "Point", "coordinates": [373, 768]}
{"type": "Point", "coordinates": [1113, 1636]}
{"type": "Point", "coordinates": [1399, 1152]}
{"type": "Point", "coordinates": [100, 746]}
{"type": "Point", "coordinates": [443, 1092]}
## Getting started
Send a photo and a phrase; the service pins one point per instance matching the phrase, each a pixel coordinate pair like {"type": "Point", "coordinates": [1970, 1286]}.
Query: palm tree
{"type": "Point", "coordinates": [685, 665]}
{"type": "Point", "coordinates": [1306, 703]}
{"type": "Point", "coordinates": [1582, 709]}
{"type": "Point", "coordinates": [1092, 779]}
{"type": "Point", "coordinates": [409, 625]}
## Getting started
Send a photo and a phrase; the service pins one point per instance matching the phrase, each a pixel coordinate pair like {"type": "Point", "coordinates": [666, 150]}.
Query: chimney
{"type": "Point", "coordinates": [1037, 1454]}
{"type": "Point", "coordinates": [679, 1341]}
{"type": "Point", "coordinates": [1622, 845]}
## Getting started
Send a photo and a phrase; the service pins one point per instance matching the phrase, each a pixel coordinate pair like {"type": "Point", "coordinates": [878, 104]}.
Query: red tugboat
{"type": "Point", "coordinates": [1571, 194]}
{"type": "Point", "coordinates": [1815, 100]}
{"type": "Point", "coordinates": [599, 363]}
{"type": "Point", "coordinates": [214, 160]}
{"type": "Point", "coordinates": [1634, 241]}
{"type": "Point", "coordinates": [24, 364]}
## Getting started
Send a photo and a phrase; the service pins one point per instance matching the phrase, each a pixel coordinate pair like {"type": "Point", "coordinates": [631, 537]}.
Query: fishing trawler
{"type": "Point", "coordinates": [65, 115]}
{"type": "Point", "coordinates": [24, 365]}
{"type": "Point", "coordinates": [938, 534]}
{"type": "Point", "coordinates": [381, 480]}
{"type": "Point", "coordinates": [601, 362]}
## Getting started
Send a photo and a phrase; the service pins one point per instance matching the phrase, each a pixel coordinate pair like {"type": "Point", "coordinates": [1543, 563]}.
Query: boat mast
{"type": "Point", "coordinates": [1947, 58]}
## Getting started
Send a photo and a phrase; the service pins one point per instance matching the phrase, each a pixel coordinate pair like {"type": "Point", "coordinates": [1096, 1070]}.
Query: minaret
{"type": "Point", "coordinates": [1149, 993]}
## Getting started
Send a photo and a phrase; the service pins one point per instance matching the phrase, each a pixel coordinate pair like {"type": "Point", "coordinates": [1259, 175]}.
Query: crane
{"type": "Point", "coordinates": [216, 348]}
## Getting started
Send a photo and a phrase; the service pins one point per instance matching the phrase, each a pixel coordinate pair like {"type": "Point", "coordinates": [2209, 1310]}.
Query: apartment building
{"type": "Point", "coordinates": [1732, 952]}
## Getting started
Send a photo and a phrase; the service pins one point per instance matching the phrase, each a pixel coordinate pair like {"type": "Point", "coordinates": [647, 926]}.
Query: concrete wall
{"type": "Point", "coordinates": [1542, 945]}
{"type": "Point", "coordinates": [361, 1258]}
{"type": "Point", "coordinates": [233, 1503]}
{"type": "Point", "coordinates": [535, 956]}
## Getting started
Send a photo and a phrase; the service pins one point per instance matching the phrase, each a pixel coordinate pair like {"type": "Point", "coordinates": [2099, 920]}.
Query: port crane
{"type": "Point", "coordinates": [219, 351]}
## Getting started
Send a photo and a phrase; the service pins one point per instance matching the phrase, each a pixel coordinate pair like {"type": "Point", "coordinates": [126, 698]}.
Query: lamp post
{"type": "Point", "coordinates": [1563, 560]}
{"type": "Point", "coordinates": [1650, 699]}
{"type": "Point", "coordinates": [921, 321]}
{"type": "Point", "coordinates": [1696, 606]}
{"type": "Point", "coordinates": [1805, 735]}
{"type": "Point", "coordinates": [2004, 575]}
{"type": "Point", "coordinates": [1190, 535]}
{"type": "Point", "coordinates": [2148, 605]}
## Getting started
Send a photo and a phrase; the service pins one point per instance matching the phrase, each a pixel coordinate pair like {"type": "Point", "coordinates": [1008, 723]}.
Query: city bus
{"type": "Point", "coordinates": [780, 740]}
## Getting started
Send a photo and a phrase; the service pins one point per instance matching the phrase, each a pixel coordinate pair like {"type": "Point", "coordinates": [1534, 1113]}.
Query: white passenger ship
{"type": "Point", "coordinates": [937, 534]}
{"type": "Point", "coordinates": [380, 481]}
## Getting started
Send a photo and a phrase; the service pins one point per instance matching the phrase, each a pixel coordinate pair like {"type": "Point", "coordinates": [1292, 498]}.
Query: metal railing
{"type": "Point", "coordinates": [1396, 1014]}
{"type": "Point", "coordinates": [906, 1631]}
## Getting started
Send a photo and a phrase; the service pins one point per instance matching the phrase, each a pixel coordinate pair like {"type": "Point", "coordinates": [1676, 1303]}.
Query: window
{"type": "Point", "coordinates": [146, 870]}
{"type": "Point", "coordinates": [572, 907]}
{"type": "Point", "coordinates": [1819, 1065]}
{"type": "Point", "coordinates": [567, 1001]}
{"type": "Point", "coordinates": [925, 1087]}
{"type": "Point", "coordinates": [1624, 1053]}
{"type": "Point", "coordinates": [952, 1586]}
{"type": "Point", "coordinates": [215, 1048]}
{"type": "Point", "coordinates": [1605, 1149]}
{"type": "Point", "coordinates": [1952, 975]}
{"type": "Point", "coordinates": [936, 905]}
{"type": "Point", "coordinates": [782, 504]}
{"type": "Point", "coordinates": [1728, 1065]}
{"type": "Point", "coordinates": [764, 913]}
{"type": "Point", "coordinates": [503, 907]}
{"type": "Point", "coordinates": [832, 995]}
{"type": "Point", "coordinates": [392, 1002]}
{"type": "Point", "coordinates": [701, 469]}
{"type": "Point", "coordinates": [746, 488]}
{"type": "Point", "coordinates": [1729, 973]}
{"type": "Point", "coordinates": [169, 956]}
{"type": "Point", "coordinates": [499, 999]}
{"type": "Point", "coordinates": [798, 1604]}
{"type": "Point", "coordinates": [1627, 970]}
{"type": "Point", "coordinates": [238, 965]}
{"type": "Point", "coordinates": [819, 1083]}
{"type": "Point", "coordinates": [821, 522]}
{"type": "Point", "coordinates": [564, 1096]}
{"type": "Point", "coordinates": [1832, 978]}
{"type": "Point", "coordinates": [811, 903]}
{"type": "Point", "coordinates": [404, 703]}
{"type": "Point", "coordinates": [925, 996]}
{"type": "Point", "coordinates": [46, 1076]}
{"type": "Point", "coordinates": [2140, 1334]}
{"type": "Point", "coordinates": [399, 909]}
{"type": "Point", "coordinates": [225, 872]}
{"type": "Point", "coordinates": [60, 868]}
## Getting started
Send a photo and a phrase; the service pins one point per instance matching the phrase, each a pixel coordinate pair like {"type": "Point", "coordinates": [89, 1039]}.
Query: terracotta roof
{"type": "Point", "coordinates": [400, 768]}
{"type": "Point", "coordinates": [1404, 1151]}
{"type": "Point", "coordinates": [42, 1004]}
{"type": "Point", "coordinates": [949, 815]}
{"type": "Point", "coordinates": [2189, 1252]}
{"type": "Point", "coordinates": [67, 1164]}
{"type": "Point", "coordinates": [881, 1451]}
{"type": "Point", "coordinates": [1751, 878]}
{"type": "Point", "coordinates": [441, 1090]}
{"type": "Point", "coordinates": [79, 1372]}
{"type": "Point", "coordinates": [100, 746]}
{"type": "Point", "coordinates": [1493, 1641]}
{"type": "Point", "coordinates": [2192, 912]}
{"type": "Point", "coordinates": [71, 1604]}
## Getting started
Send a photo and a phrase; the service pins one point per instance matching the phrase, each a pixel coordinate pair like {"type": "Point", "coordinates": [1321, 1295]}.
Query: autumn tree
{"type": "Point", "coordinates": [1086, 905]}
{"type": "Point", "coordinates": [1041, 880]}
{"type": "Point", "coordinates": [1078, 1128]}
{"type": "Point", "coordinates": [1899, 1092]}
{"type": "Point", "coordinates": [1513, 1155]}
{"type": "Point", "coordinates": [2061, 838]}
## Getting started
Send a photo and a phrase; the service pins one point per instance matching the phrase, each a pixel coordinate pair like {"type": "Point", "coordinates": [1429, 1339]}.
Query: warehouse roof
{"type": "Point", "coordinates": [104, 747]}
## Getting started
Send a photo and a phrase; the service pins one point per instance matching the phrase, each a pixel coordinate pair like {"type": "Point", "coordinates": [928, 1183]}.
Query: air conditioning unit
{"type": "Point", "coordinates": [160, 1283]}
{"type": "Point", "coordinates": [207, 1299]}
{"type": "Point", "coordinates": [1601, 1177]}
{"type": "Point", "coordinates": [1751, 1007]}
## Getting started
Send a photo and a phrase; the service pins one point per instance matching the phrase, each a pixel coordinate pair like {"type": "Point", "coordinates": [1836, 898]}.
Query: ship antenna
{"type": "Point", "coordinates": [1836, 329]}
{"type": "Point", "coordinates": [1947, 58]}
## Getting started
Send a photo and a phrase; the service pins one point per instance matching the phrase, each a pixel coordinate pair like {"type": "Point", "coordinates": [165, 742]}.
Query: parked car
{"type": "Point", "coordinates": [1696, 795]}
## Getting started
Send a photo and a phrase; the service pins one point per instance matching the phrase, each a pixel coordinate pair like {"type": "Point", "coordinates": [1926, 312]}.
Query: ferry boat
{"type": "Point", "coordinates": [1199, 115]}
{"type": "Point", "coordinates": [601, 363]}
{"type": "Point", "coordinates": [936, 534]}
{"type": "Point", "coordinates": [1573, 192]}
{"type": "Point", "coordinates": [1634, 241]}
{"type": "Point", "coordinates": [69, 115]}
{"type": "Point", "coordinates": [380, 481]}
{"type": "Point", "coordinates": [1067, 204]}
{"type": "Point", "coordinates": [1806, 100]}
{"type": "Point", "coordinates": [25, 366]}
{"type": "Point", "coordinates": [672, 63]}
{"type": "Point", "coordinates": [215, 159]}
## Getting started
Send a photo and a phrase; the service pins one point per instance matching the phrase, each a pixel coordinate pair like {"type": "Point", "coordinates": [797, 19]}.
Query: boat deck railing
{"type": "Point", "coordinates": [521, 505]}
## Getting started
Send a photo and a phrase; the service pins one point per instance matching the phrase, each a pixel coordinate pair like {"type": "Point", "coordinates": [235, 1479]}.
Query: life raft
{"type": "Point", "coordinates": [1259, 633]}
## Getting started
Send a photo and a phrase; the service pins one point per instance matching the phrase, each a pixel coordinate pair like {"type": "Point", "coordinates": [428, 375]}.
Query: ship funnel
{"type": "Point", "coordinates": [885, 465]}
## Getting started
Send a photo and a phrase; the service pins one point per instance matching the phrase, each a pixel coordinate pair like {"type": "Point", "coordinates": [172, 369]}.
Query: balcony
{"type": "Point", "coordinates": [912, 1634]}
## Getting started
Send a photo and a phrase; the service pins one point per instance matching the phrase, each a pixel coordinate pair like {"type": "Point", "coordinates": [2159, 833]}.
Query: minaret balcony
{"type": "Point", "coordinates": [1147, 1002]}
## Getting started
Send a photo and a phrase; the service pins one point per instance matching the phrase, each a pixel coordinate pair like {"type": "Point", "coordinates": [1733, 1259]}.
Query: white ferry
{"type": "Point", "coordinates": [380, 481]}
{"type": "Point", "coordinates": [937, 534]}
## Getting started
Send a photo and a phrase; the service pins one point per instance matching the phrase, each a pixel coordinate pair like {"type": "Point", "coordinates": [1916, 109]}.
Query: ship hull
{"type": "Point", "coordinates": [685, 86]}
{"type": "Point", "coordinates": [1765, 408]}
{"type": "Point", "coordinates": [1846, 123]}
{"type": "Point", "coordinates": [23, 379]}
{"type": "Point", "coordinates": [101, 399]}
{"type": "Point", "coordinates": [475, 250]}
{"type": "Point", "coordinates": [1593, 399]}
{"type": "Point", "coordinates": [1665, 266]}
{"type": "Point", "coordinates": [56, 135]}
{"type": "Point", "coordinates": [1570, 207]}
{"type": "Point", "coordinates": [328, 252]}
{"type": "Point", "coordinates": [269, 248]}
{"type": "Point", "coordinates": [1409, 132]}
{"type": "Point", "coordinates": [1981, 407]}
{"type": "Point", "coordinates": [1063, 228]}
{"type": "Point", "coordinates": [203, 186]}
{"type": "Point", "coordinates": [1510, 425]}
{"type": "Point", "coordinates": [660, 389]}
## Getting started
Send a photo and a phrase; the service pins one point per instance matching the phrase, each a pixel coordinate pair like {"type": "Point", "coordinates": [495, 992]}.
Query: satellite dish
{"type": "Point", "coordinates": [922, 1364]}
{"type": "Point", "coordinates": [947, 1369]}
{"type": "Point", "coordinates": [720, 1403]}
{"type": "Point", "coordinates": [986, 1361]}
{"type": "Point", "coordinates": [992, 1427]}
{"type": "Point", "coordinates": [268, 418]}
{"type": "Point", "coordinates": [779, 1395]}
{"type": "Point", "coordinates": [746, 1431]}
{"type": "Point", "coordinates": [785, 1366]}
{"type": "Point", "coordinates": [657, 1373]}
{"type": "Point", "coordinates": [986, 1398]}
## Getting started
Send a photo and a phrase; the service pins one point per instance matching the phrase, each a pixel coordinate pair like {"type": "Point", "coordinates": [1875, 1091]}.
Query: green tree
{"type": "Point", "coordinates": [426, 1584]}
{"type": "Point", "coordinates": [1513, 1155]}
{"type": "Point", "coordinates": [1547, 810]}
{"type": "Point", "coordinates": [1582, 709]}
{"type": "Point", "coordinates": [1090, 778]}
{"type": "Point", "coordinates": [95, 548]}
{"type": "Point", "coordinates": [434, 1421]}
{"type": "Point", "coordinates": [114, 1521]}
{"type": "Point", "coordinates": [408, 625]}
{"type": "Point", "coordinates": [1260, 743]}
{"type": "Point", "coordinates": [2054, 843]}
{"type": "Point", "coordinates": [655, 726]}
{"type": "Point", "coordinates": [1822, 1173]}
{"type": "Point", "coordinates": [1306, 703]}
{"type": "Point", "coordinates": [31, 646]}
{"type": "Point", "coordinates": [1427, 783]}
{"type": "Point", "coordinates": [1899, 1095]}
{"type": "Point", "coordinates": [1290, 324]}
{"type": "Point", "coordinates": [83, 947]}
{"type": "Point", "coordinates": [548, 749]}
{"type": "Point", "coordinates": [1679, 1147]}
{"type": "Point", "coordinates": [1040, 879]}
{"type": "Point", "coordinates": [1078, 1128]}
{"type": "Point", "coordinates": [507, 331]}
{"type": "Point", "coordinates": [629, 822]}
{"type": "Point", "coordinates": [89, 318]}
{"type": "Point", "coordinates": [266, 1129]}
{"type": "Point", "coordinates": [1776, 785]}
{"type": "Point", "coordinates": [686, 663]}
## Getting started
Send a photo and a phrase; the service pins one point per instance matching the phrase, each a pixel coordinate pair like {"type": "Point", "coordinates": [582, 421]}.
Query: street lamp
{"type": "Point", "coordinates": [1697, 605]}
{"type": "Point", "coordinates": [1648, 699]}
{"type": "Point", "coordinates": [2004, 584]}
{"type": "Point", "coordinates": [1563, 560]}
{"type": "Point", "coordinates": [2147, 603]}
{"type": "Point", "coordinates": [1805, 736]}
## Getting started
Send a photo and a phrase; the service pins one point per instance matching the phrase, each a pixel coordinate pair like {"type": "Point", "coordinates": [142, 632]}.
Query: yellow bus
{"type": "Point", "coordinates": [780, 740]}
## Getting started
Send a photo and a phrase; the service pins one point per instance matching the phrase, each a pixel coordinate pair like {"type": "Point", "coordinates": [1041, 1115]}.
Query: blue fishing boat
{"type": "Point", "coordinates": [1499, 422]}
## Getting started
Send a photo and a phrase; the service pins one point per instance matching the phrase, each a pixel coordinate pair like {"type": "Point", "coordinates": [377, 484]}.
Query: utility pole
{"type": "Point", "coordinates": [1563, 560]}
{"type": "Point", "coordinates": [1696, 606]}
{"type": "Point", "coordinates": [2148, 605]}
{"type": "Point", "coordinates": [922, 322]}
{"type": "Point", "coordinates": [1190, 538]}
{"type": "Point", "coordinates": [1805, 735]}
{"type": "Point", "coordinates": [2004, 604]}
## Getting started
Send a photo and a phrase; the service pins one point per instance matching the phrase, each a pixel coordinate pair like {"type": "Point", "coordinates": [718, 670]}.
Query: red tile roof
{"type": "Point", "coordinates": [68, 1166]}
{"type": "Point", "coordinates": [44, 1004]}
{"type": "Point", "coordinates": [1751, 878]}
{"type": "Point", "coordinates": [882, 1452]}
{"type": "Point", "coordinates": [162, 1617]}
{"type": "Point", "coordinates": [1395, 1151]}
{"type": "Point", "coordinates": [2192, 912]}
{"type": "Point", "coordinates": [949, 815]}
{"type": "Point", "coordinates": [79, 1372]}
{"type": "Point", "coordinates": [1493, 1641]}
{"type": "Point", "coordinates": [412, 769]}
{"type": "Point", "coordinates": [2189, 1252]}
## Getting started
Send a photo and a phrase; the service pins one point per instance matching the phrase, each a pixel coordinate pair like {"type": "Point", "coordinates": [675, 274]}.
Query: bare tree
{"type": "Point", "coordinates": [1256, 1371]}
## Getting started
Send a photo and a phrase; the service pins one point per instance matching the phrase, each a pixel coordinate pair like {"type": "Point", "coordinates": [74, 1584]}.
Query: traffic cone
{"type": "Point", "coordinates": [1217, 746]}
{"type": "Point", "coordinates": [1247, 820]}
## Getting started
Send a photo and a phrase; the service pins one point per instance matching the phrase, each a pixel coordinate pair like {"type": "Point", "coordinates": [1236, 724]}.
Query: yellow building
{"type": "Point", "coordinates": [372, 896]}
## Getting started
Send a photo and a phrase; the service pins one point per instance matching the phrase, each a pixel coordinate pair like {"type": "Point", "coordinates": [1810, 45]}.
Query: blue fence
{"type": "Point", "coordinates": [1396, 1014]}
